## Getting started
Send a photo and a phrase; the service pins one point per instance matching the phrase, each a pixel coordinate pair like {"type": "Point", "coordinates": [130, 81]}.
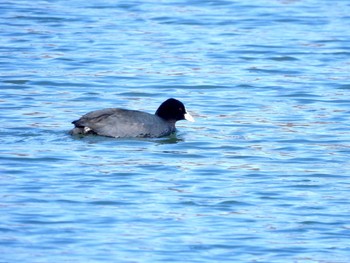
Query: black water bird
{"type": "Point", "coordinates": [123, 123]}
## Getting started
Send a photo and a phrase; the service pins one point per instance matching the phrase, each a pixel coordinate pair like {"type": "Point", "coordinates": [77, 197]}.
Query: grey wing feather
{"type": "Point", "coordinates": [95, 116]}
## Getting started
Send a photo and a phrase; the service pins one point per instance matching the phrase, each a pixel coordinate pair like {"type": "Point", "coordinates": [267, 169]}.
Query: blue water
{"type": "Point", "coordinates": [261, 176]}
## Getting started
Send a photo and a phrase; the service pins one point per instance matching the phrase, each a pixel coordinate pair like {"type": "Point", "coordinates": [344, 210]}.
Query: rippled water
{"type": "Point", "coordinates": [261, 176]}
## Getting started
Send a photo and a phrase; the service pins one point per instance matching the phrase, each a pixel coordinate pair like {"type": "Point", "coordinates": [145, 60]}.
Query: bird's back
{"type": "Point", "coordinates": [116, 122]}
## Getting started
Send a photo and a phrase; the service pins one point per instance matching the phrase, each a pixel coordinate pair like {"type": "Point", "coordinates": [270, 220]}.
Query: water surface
{"type": "Point", "coordinates": [261, 176]}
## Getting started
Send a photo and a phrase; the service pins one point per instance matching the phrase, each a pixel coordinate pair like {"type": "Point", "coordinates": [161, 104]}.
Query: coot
{"type": "Point", "coordinates": [122, 123]}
